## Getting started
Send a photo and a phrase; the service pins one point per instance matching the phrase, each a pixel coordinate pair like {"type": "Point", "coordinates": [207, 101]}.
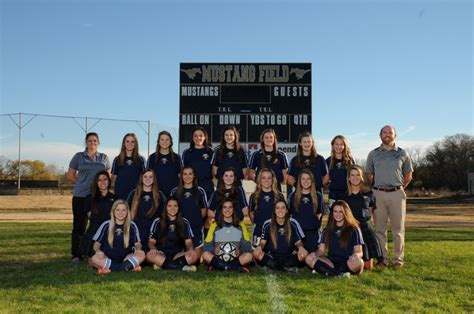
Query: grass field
{"type": "Point", "coordinates": [36, 277]}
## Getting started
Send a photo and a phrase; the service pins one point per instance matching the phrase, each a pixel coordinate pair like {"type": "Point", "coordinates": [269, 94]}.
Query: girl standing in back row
{"type": "Point", "coordinates": [230, 154]}
{"type": "Point", "coordinates": [340, 160]}
{"type": "Point", "coordinates": [166, 163]}
{"type": "Point", "coordinates": [269, 157]}
{"type": "Point", "coordinates": [127, 166]}
{"type": "Point", "coordinates": [199, 156]}
{"type": "Point", "coordinates": [307, 158]}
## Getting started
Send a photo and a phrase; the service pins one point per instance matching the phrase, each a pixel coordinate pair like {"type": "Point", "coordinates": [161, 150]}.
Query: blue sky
{"type": "Point", "coordinates": [406, 63]}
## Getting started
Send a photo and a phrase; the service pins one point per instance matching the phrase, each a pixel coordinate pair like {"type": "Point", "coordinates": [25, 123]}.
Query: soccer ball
{"type": "Point", "coordinates": [227, 251]}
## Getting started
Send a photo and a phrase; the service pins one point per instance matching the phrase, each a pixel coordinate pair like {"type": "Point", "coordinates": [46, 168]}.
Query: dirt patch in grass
{"type": "Point", "coordinates": [35, 208]}
{"type": "Point", "coordinates": [421, 212]}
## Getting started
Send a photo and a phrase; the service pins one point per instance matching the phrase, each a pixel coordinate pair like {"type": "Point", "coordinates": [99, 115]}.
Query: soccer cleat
{"type": "Point", "coordinates": [380, 265]}
{"type": "Point", "coordinates": [103, 271]}
{"type": "Point", "coordinates": [189, 268]}
{"type": "Point", "coordinates": [344, 275]}
{"type": "Point", "coordinates": [137, 269]}
{"type": "Point", "coordinates": [244, 270]}
{"type": "Point", "coordinates": [75, 261]}
{"type": "Point", "coordinates": [293, 269]}
{"type": "Point", "coordinates": [397, 265]}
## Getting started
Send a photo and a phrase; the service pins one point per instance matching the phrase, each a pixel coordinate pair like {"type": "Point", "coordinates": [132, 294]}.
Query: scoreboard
{"type": "Point", "coordinates": [250, 96]}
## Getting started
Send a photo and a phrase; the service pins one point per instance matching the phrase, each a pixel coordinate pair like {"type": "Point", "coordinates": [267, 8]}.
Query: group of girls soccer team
{"type": "Point", "coordinates": [167, 211]}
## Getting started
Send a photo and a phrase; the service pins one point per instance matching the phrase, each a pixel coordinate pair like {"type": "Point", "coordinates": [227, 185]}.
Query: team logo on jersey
{"type": "Point", "coordinates": [268, 157]}
{"type": "Point", "coordinates": [339, 165]}
{"type": "Point", "coordinates": [129, 162]}
{"type": "Point", "coordinates": [230, 154]}
{"type": "Point", "coordinates": [163, 161]}
{"type": "Point", "coordinates": [188, 194]}
{"type": "Point", "coordinates": [172, 227]}
{"type": "Point", "coordinates": [147, 198]}
{"type": "Point", "coordinates": [118, 232]}
{"type": "Point", "coordinates": [305, 200]}
{"type": "Point", "coordinates": [281, 231]}
{"type": "Point", "coordinates": [205, 156]}
{"type": "Point", "coordinates": [226, 194]}
{"type": "Point", "coordinates": [266, 198]}
{"type": "Point", "coordinates": [307, 162]}
{"type": "Point", "coordinates": [338, 233]}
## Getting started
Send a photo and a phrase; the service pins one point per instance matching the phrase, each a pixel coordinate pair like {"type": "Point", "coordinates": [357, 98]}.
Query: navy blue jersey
{"type": "Point", "coordinates": [263, 210]}
{"type": "Point", "coordinates": [172, 243]}
{"type": "Point", "coordinates": [127, 175]}
{"type": "Point", "coordinates": [318, 167]}
{"type": "Point", "coordinates": [338, 176]}
{"type": "Point", "coordinates": [102, 212]}
{"type": "Point", "coordinates": [167, 170]}
{"type": "Point", "coordinates": [335, 251]}
{"type": "Point", "coordinates": [200, 160]}
{"type": "Point", "coordinates": [360, 204]}
{"type": "Point", "coordinates": [282, 245]}
{"type": "Point", "coordinates": [117, 252]}
{"type": "Point", "coordinates": [304, 214]}
{"type": "Point", "coordinates": [260, 160]}
{"type": "Point", "coordinates": [143, 222]}
{"type": "Point", "coordinates": [239, 199]}
{"type": "Point", "coordinates": [229, 159]}
{"type": "Point", "coordinates": [191, 201]}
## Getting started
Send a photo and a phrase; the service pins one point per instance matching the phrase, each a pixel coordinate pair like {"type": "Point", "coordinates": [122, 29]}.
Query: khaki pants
{"type": "Point", "coordinates": [391, 205]}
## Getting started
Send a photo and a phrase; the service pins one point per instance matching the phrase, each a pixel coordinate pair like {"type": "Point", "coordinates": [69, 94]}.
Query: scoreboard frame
{"type": "Point", "coordinates": [250, 96]}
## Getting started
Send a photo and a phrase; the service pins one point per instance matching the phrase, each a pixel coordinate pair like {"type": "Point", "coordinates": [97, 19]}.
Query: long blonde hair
{"type": "Point", "coordinates": [126, 224]}
{"type": "Point", "coordinates": [299, 191]}
{"type": "Point", "coordinates": [258, 189]}
{"type": "Point", "coordinates": [363, 185]}
{"type": "Point", "coordinates": [138, 194]}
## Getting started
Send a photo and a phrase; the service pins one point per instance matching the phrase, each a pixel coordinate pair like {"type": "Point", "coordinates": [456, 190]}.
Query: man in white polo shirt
{"type": "Point", "coordinates": [390, 170]}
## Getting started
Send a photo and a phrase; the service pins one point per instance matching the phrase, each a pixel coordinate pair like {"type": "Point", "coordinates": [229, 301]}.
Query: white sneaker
{"type": "Point", "coordinates": [345, 275]}
{"type": "Point", "coordinates": [189, 268]}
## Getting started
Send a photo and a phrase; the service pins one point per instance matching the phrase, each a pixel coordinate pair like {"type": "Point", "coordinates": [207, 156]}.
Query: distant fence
{"type": "Point", "coordinates": [31, 184]}
{"type": "Point", "coordinates": [58, 138]}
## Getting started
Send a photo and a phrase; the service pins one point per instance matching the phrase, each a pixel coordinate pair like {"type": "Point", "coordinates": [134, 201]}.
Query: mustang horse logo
{"type": "Point", "coordinates": [191, 73]}
{"type": "Point", "coordinates": [299, 73]}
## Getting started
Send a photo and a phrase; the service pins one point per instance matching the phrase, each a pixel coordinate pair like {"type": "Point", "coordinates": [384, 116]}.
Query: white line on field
{"type": "Point", "coordinates": [276, 297]}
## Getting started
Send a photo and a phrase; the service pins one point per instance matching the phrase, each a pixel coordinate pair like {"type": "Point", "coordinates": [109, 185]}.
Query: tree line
{"type": "Point", "coordinates": [29, 170]}
{"type": "Point", "coordinates": [445, 164]}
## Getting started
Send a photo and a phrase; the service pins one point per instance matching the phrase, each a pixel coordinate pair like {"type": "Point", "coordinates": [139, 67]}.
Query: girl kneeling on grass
{"type": "Point", "coordinates": [146, 204]}
{"type": "Point", "coordinates": [171, 245]}
{"type": "Point", "coordinates": [117, 244]}
{"type": "Point", "coordinates": [281, 246]}
{"type": "Point", "coordinates": [227, 244]}
{"type": "Point", "coordinates": [98, 204]}
{"type": "Point", "coordinates": [343, 241]}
